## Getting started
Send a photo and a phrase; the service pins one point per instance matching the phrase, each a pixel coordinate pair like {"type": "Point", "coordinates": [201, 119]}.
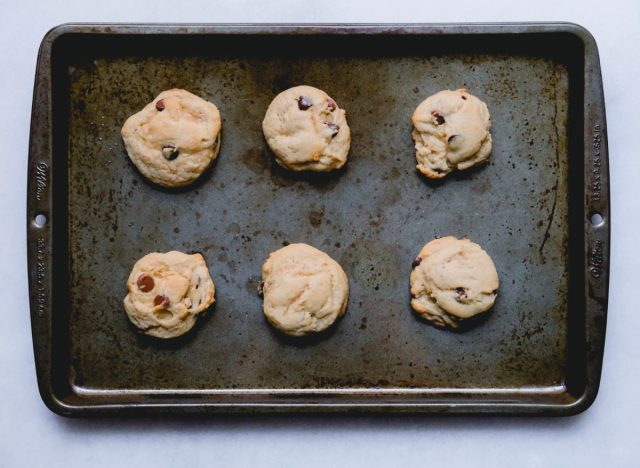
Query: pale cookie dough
{"type": "Point", "coordinates": [451, 131]}
{"type": "Point", "coordinates": [174, 139]}
{"type": "Point", "coordinates": [304, 289]}
{"type": "Point", "coordinates": [166, 293]}
{"type": "Point", "coordinates": [306, 130]}
{"type": "Point", "coordinates": [452, 280]}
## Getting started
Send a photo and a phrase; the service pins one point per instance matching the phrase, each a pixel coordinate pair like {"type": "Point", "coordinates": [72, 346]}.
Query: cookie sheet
{"type": "Point", "coordinates": [533, 208]}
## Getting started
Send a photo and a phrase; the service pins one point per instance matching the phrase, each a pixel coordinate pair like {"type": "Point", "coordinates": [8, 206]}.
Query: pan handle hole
{"type": "Point", "coordinates": [596, 219]}
{"type": "Point", "coordinates": [40, 220]}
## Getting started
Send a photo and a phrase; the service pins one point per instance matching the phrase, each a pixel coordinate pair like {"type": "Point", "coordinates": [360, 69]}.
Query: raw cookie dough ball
{"type": "Point", "coordinates": [174, 139]}
{"type": "Point", "coordinates": [452, 280]}
{"type": "Point", "coordinates": [166, 293]}
{"type": "Point", "coordinates": [451, 131]}
{"type": "Point", "coordinates": [304, 289]}
{"type": "Point", "coordinates": [306, 130]}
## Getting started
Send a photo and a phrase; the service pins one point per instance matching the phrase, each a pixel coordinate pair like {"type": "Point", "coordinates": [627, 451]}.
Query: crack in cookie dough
{"type": "Point", "coordinates": [453, 281]}
{"type": "Point", "coordinates": [306, 130]}
{"type": "Point", "coordinates": [304, 290]}
{"type": "Point", "coordinates": [166, 293]}
{"type": "Point", "coordinates": [451, 131]}
{"type": "Point", "coordinates": [174, 139]}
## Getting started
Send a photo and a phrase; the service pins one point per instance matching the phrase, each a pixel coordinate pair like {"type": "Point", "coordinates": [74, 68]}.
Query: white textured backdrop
{"type": "Point", "coordinates": [606, 435]}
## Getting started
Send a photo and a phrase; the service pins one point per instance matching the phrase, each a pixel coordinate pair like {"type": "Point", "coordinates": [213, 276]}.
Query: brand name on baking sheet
{"type": "Point", "coordinates": [595, 253]}
{"type": "Point", "coordinates": [42, 179]}
{"type": "Point", "coordinates": [595, 259]}
{"type": "Point", "coordinates": [41, 268]}
{"type": "Point", "coordinates": [596, 184]}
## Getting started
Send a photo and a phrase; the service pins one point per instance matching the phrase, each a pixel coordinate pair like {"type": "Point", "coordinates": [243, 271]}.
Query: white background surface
{"type": "Point", "coordinates": [606, 435]}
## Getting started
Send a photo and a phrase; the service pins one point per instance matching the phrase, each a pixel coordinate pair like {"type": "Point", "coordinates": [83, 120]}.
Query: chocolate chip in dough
{"type": "Point", "coordinates": [439, 119]}
{"type": "Point", "coordinates": [170, 152]}
{"type": "Point", "coordinates": [161, 300]}
{"type": "Point", "coordinates": [145, 283]}
{"type": "Point", "coordinates": [304, 103]}
{"type": "Point", "coordinates": [334, 127]}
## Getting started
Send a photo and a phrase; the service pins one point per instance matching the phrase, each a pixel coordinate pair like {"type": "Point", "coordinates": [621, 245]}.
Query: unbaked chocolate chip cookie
{"type": "Point", "coordinates": [174, 139]}
{"type": "Point", "coordinates": [451, 131]}
{"type": "Point", "coordinates": [304, 290]}
{"type": "Point", "coordinates": [306, 130]}
{"type": "Point", "coordinates": [166, 293]}
{"type": "Point", "coordinates": [452, 280]}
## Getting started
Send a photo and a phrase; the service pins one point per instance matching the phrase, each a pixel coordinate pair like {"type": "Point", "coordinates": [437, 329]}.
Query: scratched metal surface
{"type": "Point", "coordinates": [373, 218]}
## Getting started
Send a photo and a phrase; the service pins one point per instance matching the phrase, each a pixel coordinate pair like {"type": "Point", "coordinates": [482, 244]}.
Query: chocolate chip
{"type": "Point", "coordinates": [161, 300]}
{"type": "Point", "coordinates": [170, 152]}
{"type": "Point", "coordinates": [464, 97]}
{"type": "Point", "coordinates": [416, 261]}
{"type": "Point", "coordinates": [439, 119]}
{"type": "Point", "coordinates": [334, 127]}
{"type": "Point", "coordinates": [331, 104]}
{"type": "Point", "coordinates": [160, 105]}
{"type": "Point", "coordinates": [261, 288]}
{"type": "Point", "coordinates": [145, 283]}
{"type": "Point", "coordinates": [460, 292]}
{"type": "Point", "coordinates": [304, 103]}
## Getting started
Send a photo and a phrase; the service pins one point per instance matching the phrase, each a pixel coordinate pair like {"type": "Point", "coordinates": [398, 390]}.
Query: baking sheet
{"type": "Point", "coordinates": [526, 208]}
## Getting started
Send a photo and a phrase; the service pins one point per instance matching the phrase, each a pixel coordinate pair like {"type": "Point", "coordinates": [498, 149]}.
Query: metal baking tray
{"type": "Point", "coordinates": [540, 207]}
